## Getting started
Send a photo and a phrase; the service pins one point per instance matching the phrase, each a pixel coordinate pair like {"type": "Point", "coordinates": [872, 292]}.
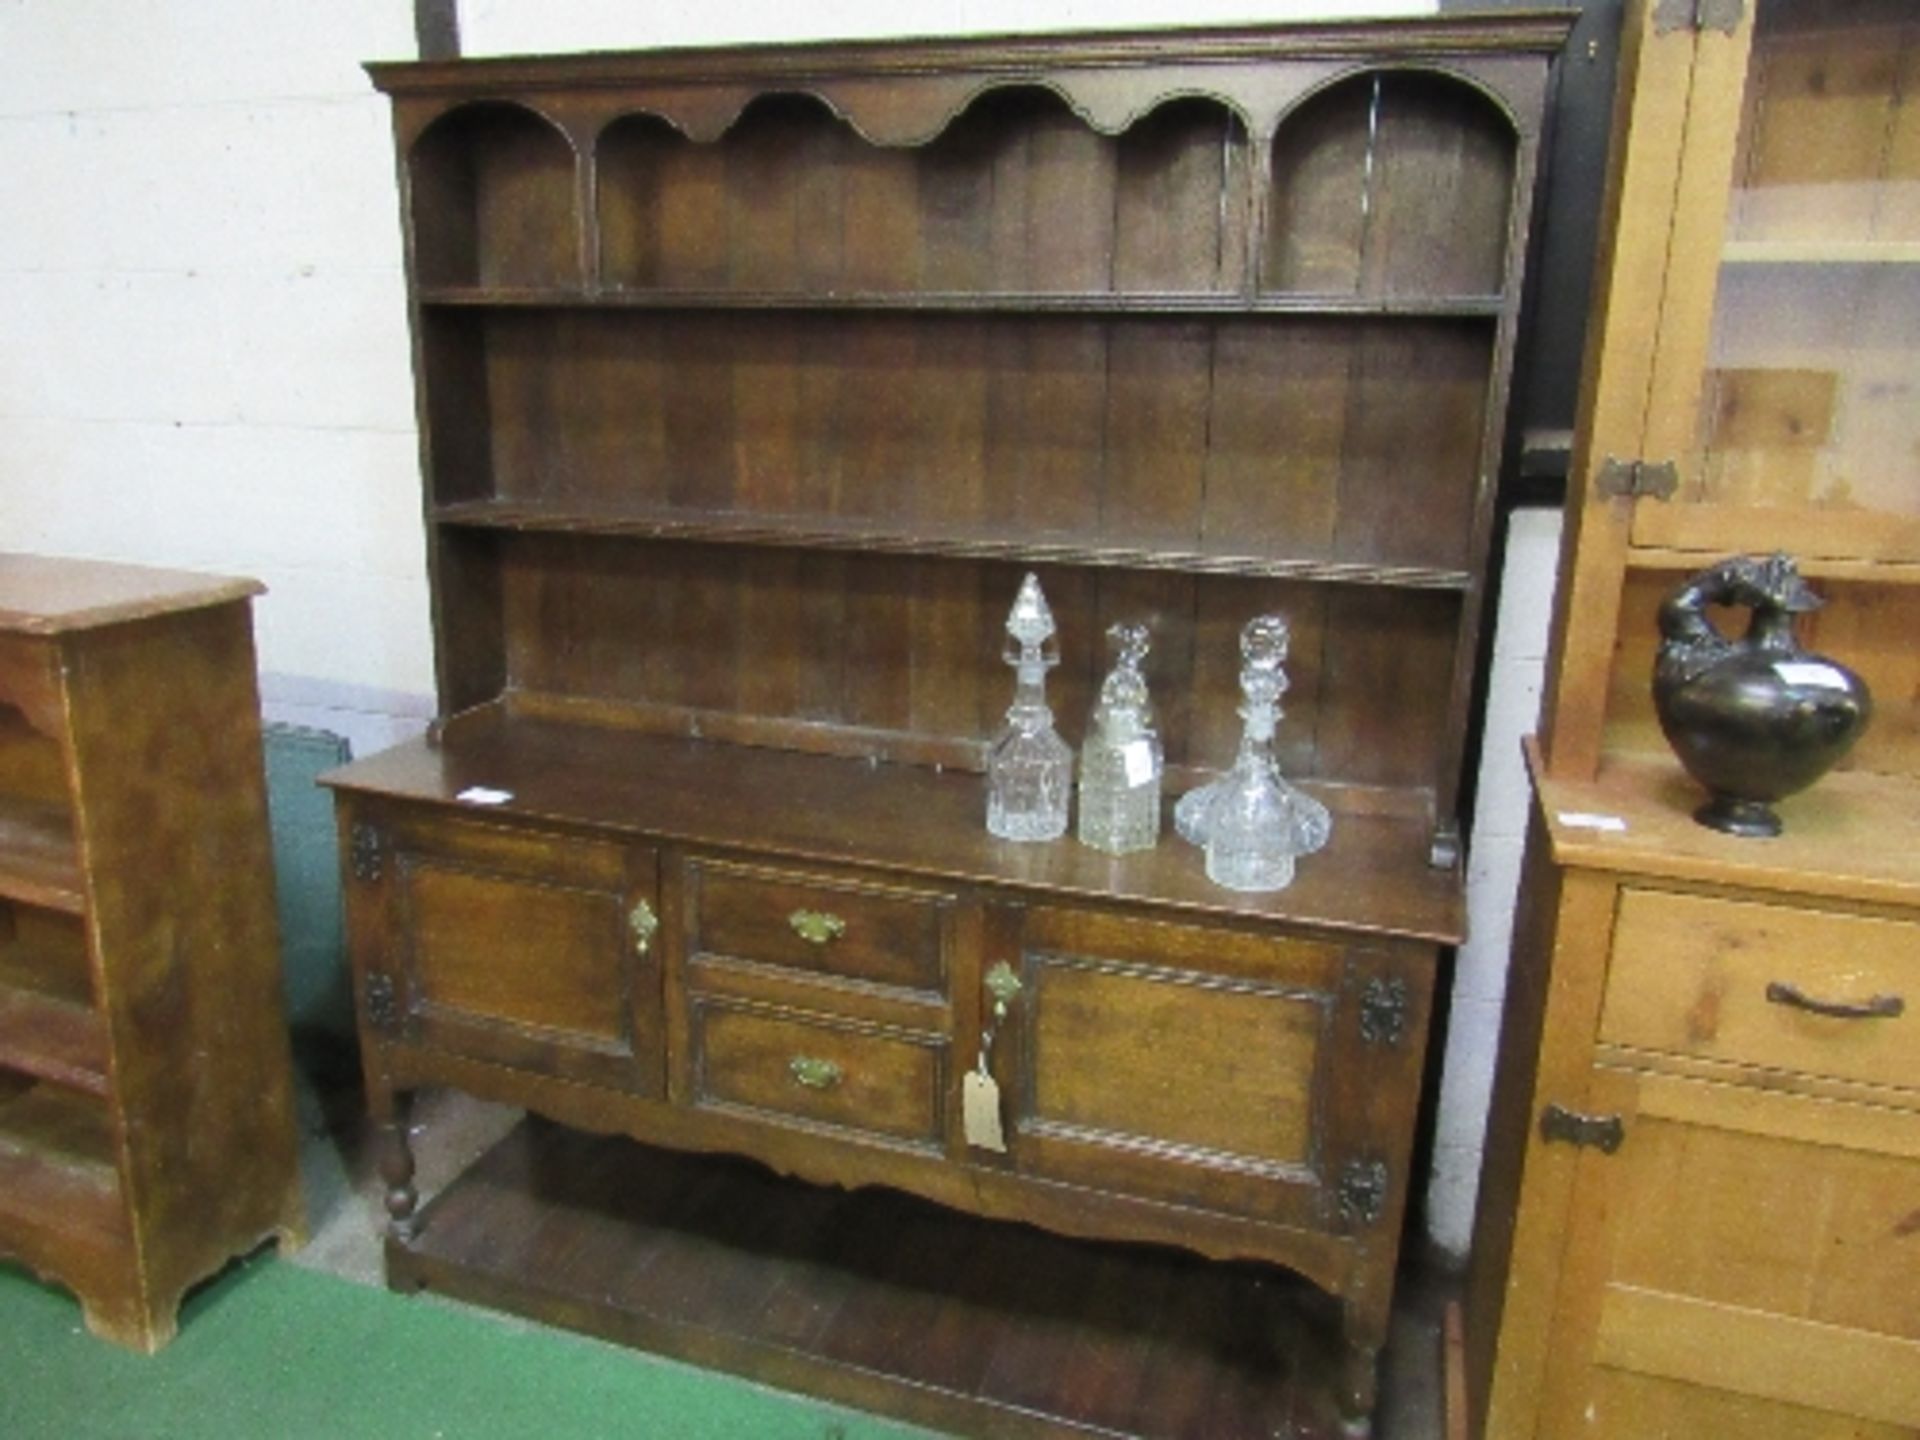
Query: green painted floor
{"type": "Point", "coordinates": [274, 1351]}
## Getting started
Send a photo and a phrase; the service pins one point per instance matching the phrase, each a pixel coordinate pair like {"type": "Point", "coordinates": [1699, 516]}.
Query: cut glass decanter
{"type": "Point", "coordinates": [1251, 822]}
{"type": "Point", "coordinates": [1121, 762]}
{"type": "Point", "coordinates": [1029, 767]}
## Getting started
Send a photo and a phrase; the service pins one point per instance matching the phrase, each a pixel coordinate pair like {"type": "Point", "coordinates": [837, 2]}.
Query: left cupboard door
{"type": "Point", "coordinates": [514, 945]}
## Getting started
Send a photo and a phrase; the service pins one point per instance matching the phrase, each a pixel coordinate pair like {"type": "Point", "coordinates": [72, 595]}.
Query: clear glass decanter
{"type": "Point", "coordinates": [1122, 761]}
{"type": "Point", "coordinates": [1029, 768]}
{"type": "Point", "coordinates": [1251, 822]}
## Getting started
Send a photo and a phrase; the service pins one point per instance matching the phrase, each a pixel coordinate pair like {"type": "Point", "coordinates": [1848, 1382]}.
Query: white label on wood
{"type": "Point", "coordinates": [482, 795]}
{"type": "Point", "coordinates": [1807, 672]}
{"type": "Point", "coordinates": [1137, 756]}
{"type": "Point", "coordinates": [1584, 820]}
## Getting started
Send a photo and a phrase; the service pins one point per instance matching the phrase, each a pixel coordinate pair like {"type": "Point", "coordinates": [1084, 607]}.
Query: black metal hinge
{"type": "Point", "coordinates": [1383, 1011]}
{"type": "Point", "coordinates": [383, 1003]}
{"type": "Point", "coordinates": [1604, 1133]}
{"type": "Point", "coordinates": [1721, 15]}
{"type": "Point", "coordinates": [1640, 479]}
{"type": "Point", "coordinates": [1363, 1191]}
{"type": "Point", "coordinates": [364, 852]}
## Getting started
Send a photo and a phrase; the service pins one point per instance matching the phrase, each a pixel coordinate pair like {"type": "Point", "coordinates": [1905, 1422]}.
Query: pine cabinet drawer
{"type": "Point", "coordinates": [1804, 990]}
{"type": "Point", "coordinates": [826, 1070]}
{"type": "Point", "coordinates": [829, 925]}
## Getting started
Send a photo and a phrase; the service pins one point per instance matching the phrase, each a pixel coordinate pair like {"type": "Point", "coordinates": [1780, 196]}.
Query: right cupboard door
{"type": "Point", "coordinates": [1236, 1072]}
{"type": "Point", "coordinates": [1746, 1264]}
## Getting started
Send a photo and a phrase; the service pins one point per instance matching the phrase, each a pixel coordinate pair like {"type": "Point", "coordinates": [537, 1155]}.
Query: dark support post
{"type": "Point", "coordinates": [436, 26]}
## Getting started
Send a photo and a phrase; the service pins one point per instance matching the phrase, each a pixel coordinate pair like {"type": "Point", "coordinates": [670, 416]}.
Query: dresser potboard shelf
{"type": "Point", "coordinates": [750, 382]}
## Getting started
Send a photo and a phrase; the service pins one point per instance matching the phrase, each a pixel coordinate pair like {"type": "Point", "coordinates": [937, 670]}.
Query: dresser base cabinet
{"type": "Point", "coordinates": [1243, 1092]}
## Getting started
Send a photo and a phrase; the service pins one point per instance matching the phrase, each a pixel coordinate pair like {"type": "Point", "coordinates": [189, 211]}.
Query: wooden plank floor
{"type": "Point", "coordinates": [875, 1299]}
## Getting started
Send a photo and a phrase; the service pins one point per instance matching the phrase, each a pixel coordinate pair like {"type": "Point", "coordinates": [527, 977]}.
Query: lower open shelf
{"type": "Point", "coordinates": [875, 1299]}
{"type": "Point", "coordinates": [57, 1171]}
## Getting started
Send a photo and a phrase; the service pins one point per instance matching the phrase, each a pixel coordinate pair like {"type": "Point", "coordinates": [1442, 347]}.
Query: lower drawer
{"type": "Point", "coordinates": [819, 1069]}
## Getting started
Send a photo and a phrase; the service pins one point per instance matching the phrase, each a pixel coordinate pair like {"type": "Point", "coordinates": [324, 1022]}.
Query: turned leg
{"type": "Point", "coordinates": [1359, 1379]}
{"type": "Point", "coordinates": [396, 1169]}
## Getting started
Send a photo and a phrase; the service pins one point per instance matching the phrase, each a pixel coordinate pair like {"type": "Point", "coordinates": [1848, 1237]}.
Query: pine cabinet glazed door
{"type": "Point", "coordinates": [522, 947]}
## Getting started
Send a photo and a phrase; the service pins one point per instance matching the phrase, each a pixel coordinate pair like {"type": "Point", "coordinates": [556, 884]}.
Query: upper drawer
{"type": "Point", "coordinates": [1733, 980]}
{"type": "Point", "coordinates": [855, 929]}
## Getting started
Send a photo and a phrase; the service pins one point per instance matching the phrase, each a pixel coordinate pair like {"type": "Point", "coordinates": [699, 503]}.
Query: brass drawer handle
{"type": "Point", "coordinates": [817, 927]}
{"type": "Point", "coordinates": [1879, 1007]}
{"type": "Point", "coordinates": [815, 1074]}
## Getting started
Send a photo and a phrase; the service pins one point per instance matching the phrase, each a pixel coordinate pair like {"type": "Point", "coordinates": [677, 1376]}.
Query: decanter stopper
{"type": "Point", "coordinates": [1122, 761]}
{"type": "Point", "coordinates": [1029, 767]}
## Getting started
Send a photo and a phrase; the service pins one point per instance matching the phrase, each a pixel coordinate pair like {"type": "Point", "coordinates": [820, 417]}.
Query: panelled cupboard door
{"type": "Point", "coordinates": [1788, 386]}
{"type": "Point", "coordinates": [526, 948]}
{"type": "Point", "coordinates": [1746, 1264]}
{"type": "Point", "coordinates": [1228, 1070]}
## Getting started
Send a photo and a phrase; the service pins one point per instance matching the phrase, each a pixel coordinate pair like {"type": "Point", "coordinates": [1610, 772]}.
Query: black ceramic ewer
{"type": "Point", "coordinates": [1758, 718]}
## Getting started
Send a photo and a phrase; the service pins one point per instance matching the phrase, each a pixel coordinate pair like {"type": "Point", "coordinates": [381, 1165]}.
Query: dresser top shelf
{"type": "Point", "coordinates": [1853, 836]}
{"type": "Point", "coordinates": [1373, 877]}
{"type": "Point", "coordinates": [1541, 31]}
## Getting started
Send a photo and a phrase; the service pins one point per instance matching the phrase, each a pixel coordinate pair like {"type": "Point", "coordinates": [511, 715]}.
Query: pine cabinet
{"type": "Point", "coordinates": [750, 383]}
{"type": "Point", "coordinates": [1703, 1175]}
{"type": "Point", "coordinates": [146, 1113]}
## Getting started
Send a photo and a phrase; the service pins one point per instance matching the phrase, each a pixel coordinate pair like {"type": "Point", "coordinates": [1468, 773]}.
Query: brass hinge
{"type": "Point", "coordinates": [1721, 15]}
{"type": "Point", "coordinates": [1641, 479]}
{"type": "Point", "coordinates": [1604, 1133]}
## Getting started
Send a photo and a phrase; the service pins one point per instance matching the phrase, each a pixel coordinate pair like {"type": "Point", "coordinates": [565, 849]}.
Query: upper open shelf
{"type": "Point", "coordinates": [1323, 447]}
{"type": "Point", "coordinates": [1385, 189]}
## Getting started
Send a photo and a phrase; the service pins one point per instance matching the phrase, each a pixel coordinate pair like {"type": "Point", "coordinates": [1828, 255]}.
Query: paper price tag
{"type": "Point", "coordinates": [1583, 820]}
{"type": "Point", "coordinates": [482, 795]}
{"type": "Point", "coordinates": [1809, 672]}
{"type": "Point", "coordinates": [980, 1111]}
{"type": "Point", "coordinates": [1137, 757]}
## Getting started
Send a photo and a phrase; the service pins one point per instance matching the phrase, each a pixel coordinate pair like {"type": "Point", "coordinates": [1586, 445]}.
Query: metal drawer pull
{"type": "Point", "coordinates": [1880, 1007]}
{"type": "Point", "coordinates": [814, 1073]}
{"type": "Point", "coordinates": [1604, 1133]}
{"type": "Point", "coordinates": [817, 927]}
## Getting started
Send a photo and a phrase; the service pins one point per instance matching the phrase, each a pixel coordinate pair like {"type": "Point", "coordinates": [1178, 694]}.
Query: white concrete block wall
{"type": "Point", "coordinates": [1493, 873]}
{"type": "Point", "coordinates": [203, 346]}
{"type": "Point", "coordinates": [506, 27]}
{"type": "Point", "coordinates": [204, 359]}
